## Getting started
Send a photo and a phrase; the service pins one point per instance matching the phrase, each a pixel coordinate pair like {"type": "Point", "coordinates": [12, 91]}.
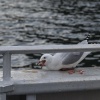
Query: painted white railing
{"type": "Point", "coordinates": [6, 51]}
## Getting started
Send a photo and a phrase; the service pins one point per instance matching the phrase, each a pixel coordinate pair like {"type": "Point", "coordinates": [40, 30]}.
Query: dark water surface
{"type": "Point", "coordinates": [35, 22]}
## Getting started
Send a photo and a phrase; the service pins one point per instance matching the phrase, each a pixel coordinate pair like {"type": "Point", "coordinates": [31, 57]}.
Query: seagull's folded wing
{"type": "Point", "coordinates": [72, 58]}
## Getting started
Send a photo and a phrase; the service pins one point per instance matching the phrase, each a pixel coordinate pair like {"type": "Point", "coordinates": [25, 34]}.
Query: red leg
{"type": "Point", "coordinates": [70, 70]}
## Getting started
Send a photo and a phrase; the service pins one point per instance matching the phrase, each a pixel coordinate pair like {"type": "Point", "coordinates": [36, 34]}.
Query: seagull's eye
{"type": "Point", "coordinates": [44, 57]}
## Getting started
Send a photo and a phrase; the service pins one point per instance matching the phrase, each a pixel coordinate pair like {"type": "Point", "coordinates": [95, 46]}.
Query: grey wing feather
{"type": "Point", "coordinates": [72, 58]}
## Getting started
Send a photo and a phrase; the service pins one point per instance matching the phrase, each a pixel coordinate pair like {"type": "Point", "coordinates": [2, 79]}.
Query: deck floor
{"type": "Point", "coordinates": [45, 76]}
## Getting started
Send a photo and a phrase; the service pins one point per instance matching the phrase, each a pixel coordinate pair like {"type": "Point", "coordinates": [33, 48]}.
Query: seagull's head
{"type": "Point", "coordinates": [45, 60]}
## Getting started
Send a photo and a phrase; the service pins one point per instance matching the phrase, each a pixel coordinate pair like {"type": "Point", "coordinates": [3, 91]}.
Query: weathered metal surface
{"type": "Point", "coordinates": [74, 95]}
{"type": "Point", "coordinates": [39, 81]}
{"type": "Point", "coordinates": [49, 48]}
{"type": "Point", "coordinates": [31, 97]}
{"type": "Point", "coordinates": [6, 86]}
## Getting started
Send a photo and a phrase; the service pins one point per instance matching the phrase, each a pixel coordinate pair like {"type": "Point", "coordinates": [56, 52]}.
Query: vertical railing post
{"type": "Point", "coordinates": [3, 96]}
{"type": "Point", "coordinates": [6, 66]}
{"type": "Point", "coordinates": [30, 97]}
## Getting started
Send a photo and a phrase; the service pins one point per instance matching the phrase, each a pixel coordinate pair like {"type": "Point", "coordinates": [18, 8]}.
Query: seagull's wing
{"type": "Point", "coordinates": [72, 58]}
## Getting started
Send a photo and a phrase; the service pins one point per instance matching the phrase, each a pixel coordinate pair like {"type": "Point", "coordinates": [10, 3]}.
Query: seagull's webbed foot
{"type": "Point", "coordinates": [80, 71]}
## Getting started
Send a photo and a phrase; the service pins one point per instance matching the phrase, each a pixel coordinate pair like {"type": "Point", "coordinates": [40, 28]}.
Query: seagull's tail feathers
{"type": "Point", "coordinates": [83, 42]}
{"type": "Point", "coordinates": [84, 55]}
{"type": "Point", "coordinates": [87, 53]}
{"type": "Point", "coordinates": [88, 36]}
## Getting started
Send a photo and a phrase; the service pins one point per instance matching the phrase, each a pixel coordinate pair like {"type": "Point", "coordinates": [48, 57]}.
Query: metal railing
{"type": "Point", "coordinates": [6, 51]}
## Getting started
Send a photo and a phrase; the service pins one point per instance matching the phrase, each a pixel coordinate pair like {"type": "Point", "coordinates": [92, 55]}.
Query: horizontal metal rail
{"type": "Point", "coordinates": [49, 48]}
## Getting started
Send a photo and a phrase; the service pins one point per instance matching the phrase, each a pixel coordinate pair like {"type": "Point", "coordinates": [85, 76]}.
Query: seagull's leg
{"type": "Point", "coordinates": [64, 69]}
{"type": "Point", "coordinates": [70, 70]}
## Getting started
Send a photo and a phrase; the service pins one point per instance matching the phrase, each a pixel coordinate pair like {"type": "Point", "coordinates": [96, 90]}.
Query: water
{"type": "Point", "coordinates": [35, 22]}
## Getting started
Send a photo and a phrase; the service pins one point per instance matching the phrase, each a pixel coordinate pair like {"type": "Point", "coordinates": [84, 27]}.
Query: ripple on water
{"type": "Point", "coordinates": [35, 22]}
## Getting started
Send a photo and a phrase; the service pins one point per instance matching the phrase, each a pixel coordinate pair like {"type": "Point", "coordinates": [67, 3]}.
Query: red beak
{"type": "Point", "coordinates": [42, 63]}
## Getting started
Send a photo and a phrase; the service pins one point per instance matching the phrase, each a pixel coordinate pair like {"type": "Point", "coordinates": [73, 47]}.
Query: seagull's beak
{"type": "Point", "coordinates": [42, 63]}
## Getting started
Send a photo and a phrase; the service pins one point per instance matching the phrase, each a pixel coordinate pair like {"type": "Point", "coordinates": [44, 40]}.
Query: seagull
{"type": "Point", "coordinates": [63, 61]}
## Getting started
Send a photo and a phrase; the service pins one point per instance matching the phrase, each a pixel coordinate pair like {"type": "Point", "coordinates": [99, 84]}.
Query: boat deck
{"type": "Point", "coordinates": [41, 81]}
